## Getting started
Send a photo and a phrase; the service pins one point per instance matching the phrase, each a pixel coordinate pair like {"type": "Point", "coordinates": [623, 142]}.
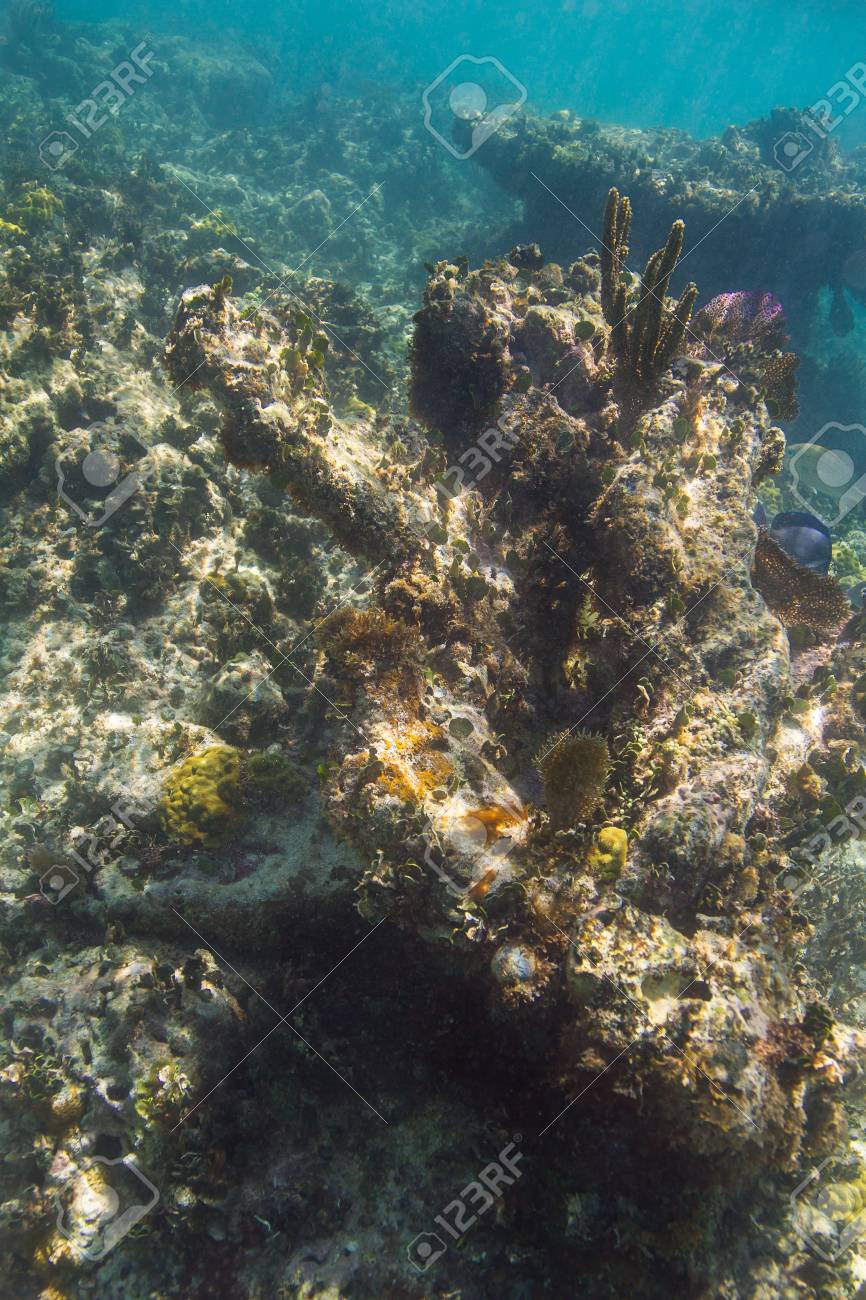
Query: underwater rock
{"type": "Point", "coordinates": [529, 256]}
{"type": "Point", "coordinates": [734, 186]}
{"type": "Point", "coordinates": [456, 336]}
{"type": "Point", "coordinates": [243, 696]}
{"type": "Point", "coordinates": [614, 522]}
{"type": "Point", "coordinates": [631, 970]}
{"type": "Point", "coordinates": [267, 376]}
{"type": "Point", "coordinates": [212, 344]}
{"type": "Point", "coordinates": [562, 546]}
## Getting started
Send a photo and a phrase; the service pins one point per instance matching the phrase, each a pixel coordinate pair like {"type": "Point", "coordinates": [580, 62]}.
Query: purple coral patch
{"type": "Point", "coordinates": [743, 316]}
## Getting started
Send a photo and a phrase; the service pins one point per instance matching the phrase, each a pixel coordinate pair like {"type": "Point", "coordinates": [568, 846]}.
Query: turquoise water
{"type": "Point", "coordinates": [697, 65]}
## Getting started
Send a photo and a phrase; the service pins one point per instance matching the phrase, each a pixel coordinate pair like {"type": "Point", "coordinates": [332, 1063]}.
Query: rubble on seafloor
{"type": "Point", "coordinates": [392, 784]}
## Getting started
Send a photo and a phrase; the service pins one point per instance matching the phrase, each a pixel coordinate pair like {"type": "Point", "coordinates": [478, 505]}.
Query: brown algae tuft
{"type": "Point", "coordinates": [574, 767]}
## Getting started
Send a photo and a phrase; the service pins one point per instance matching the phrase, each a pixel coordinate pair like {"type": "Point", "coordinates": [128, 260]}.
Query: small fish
{"type": "Point", "coordinates": [805, 538]}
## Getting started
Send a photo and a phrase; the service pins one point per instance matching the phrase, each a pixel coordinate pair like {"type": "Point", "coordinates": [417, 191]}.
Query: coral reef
{"type": "Point", "coordinates": [574, 768]}
{"type": "Point", "coordinates": [265, 371]}
{"type": "Point", "coordinates": [390, 774]}
{"type": "Point", "coordinates": [732, 186]}
{"type": "Point", "coordinates": [796, 593]}
{"type": "Point", "coordinates": [657, 529]}
{"type": "Point", "coordinates": [645, 337]}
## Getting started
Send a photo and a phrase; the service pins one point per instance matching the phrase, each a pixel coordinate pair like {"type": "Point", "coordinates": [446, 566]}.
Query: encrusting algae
{"type": "Point", "coordinates": [606, 857]}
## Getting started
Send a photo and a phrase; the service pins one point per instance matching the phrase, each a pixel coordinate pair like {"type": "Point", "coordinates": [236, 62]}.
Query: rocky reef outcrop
{"type": "Point", "coordinates": [564, 740]}
{"type": "Point", "coordinates": [414, 783]}
{"type": "Point", "coordinates": [799, 229]}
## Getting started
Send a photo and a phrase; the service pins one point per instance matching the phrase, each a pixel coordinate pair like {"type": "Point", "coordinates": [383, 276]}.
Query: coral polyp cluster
{"type": "Point", "coordinates": [796, 594]}
{"type": "Point", "coordinates": [608, 854]}
{"type": "Point", "coordinates": [212, 792]}
{"type": "Point", "coordinates": [645, 334]}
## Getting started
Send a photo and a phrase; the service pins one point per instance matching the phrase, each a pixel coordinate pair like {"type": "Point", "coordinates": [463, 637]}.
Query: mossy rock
{"type": "Point", "coordinates": [272, 782]}
{"type": "Point", "coordinates": [35, 208]}
{"type": "Point", "coordinates": [212, 792]}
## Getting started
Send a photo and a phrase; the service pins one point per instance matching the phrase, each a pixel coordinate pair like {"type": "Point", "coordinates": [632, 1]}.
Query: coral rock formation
{"type": "Point", "coordinates": [594, 565]}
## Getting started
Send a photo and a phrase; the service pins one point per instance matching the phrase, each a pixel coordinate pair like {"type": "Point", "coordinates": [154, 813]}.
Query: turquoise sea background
{"type": "Point", "coordinates": [690, 64]}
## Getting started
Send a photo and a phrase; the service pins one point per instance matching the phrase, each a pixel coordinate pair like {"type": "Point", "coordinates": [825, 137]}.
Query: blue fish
{"type": "Point", "coordinates": [805, 538]}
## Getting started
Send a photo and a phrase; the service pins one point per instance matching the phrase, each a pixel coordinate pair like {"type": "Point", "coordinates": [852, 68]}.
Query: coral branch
{"type": "Point", "coordinates": [645, 336]}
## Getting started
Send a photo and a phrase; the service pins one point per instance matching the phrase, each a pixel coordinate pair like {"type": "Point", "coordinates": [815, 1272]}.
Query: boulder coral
{"type": "Point", "coordinates": [199, 803]}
